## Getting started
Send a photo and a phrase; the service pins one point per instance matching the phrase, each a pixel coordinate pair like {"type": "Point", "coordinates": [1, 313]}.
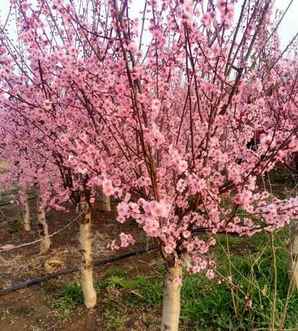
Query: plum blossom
{"type": "Point", "coordinates": [207, 19]}
{"type": "Point", "coordinates": [123, 211]}
{"type": "Point", "coordinates": [159, 208]}
{"type": "Point", "coordinates": [126, 239]}
{"type": "Point", "coordinates": [168, 135]}
{"type": "Point", "coordinates": [107, 187]}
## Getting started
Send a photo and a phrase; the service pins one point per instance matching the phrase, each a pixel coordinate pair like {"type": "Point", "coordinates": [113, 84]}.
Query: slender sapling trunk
{"type": "Point", "coordinates": [86, 249]}
{"type": "Point", "coordinates": [27, 216]}
{"type": "Point", "coordinates": [106, 203]}
{"type": "Point", "coordinates": [294, 252]}
{"type": "Point", "coordinates": [171, 299]}
{"type": "Point", "coordinates": [45, 243]}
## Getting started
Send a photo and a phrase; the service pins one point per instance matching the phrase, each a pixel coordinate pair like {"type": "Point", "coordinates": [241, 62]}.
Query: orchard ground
{"type": "Point", "coordinates": [252, 290]}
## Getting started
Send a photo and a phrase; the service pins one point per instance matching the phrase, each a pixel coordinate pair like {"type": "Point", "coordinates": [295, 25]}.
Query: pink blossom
{"type": "Point", "coordinates": [123, 209]}
{"type": "Point", "coordinates": [207, 19]}
{"type": "Point", "coordinates": [181, 185]}
{"type": "Point", "coordinates": [186, 234]}
{"type": "Point", "coordinates": [210, 274]}
{"type": "Point", "coordinates": [159, 209]}
{"type": "Point", "coordinates": [126, 239]}
{"type": "Point", "coordinates": [164, 128]}
{"type": "Point", "coordinates": [107, 187]}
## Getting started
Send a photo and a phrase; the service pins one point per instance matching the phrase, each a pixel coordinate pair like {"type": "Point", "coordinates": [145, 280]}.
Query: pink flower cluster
{"type": "Point", "coordinates": [177, 125]}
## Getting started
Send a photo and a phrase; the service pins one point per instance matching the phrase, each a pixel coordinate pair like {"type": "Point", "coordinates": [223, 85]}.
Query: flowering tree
{"type": "Point", "coordinates": [159, 112]}
{"type": "Point", "coordinates": [34, 161]}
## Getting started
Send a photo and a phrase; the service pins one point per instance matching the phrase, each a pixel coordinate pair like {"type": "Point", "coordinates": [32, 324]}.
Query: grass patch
{"type": "Point", "coordinates": [68, 298]}
{"type": "Point", "coordinates": [114, 315]}
{"type": "Point", "coordinates": [241, 298]}
{"type": "Point", "coordinates": [141, 290]}
{"type": "Point", "coordinates": [244, 299]}
{"type": "Point", "coordinates": [144, 291]}
{"type": "Point", "coordinates": [127, 298]}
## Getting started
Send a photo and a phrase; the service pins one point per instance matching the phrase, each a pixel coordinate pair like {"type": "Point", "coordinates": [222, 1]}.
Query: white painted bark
{"type": "Point", "coordinates": [294, 252]}
{"type": "Point", "coordinates": [171, 299]}
{"type": "Point", "coordinates": [45, 243]}
{"type": "Point", "coordinates": [106, 203]}
{"type": "Point", "coordinates": [27, 216]}
{"type": "Point", "coordinates": [86, 249]}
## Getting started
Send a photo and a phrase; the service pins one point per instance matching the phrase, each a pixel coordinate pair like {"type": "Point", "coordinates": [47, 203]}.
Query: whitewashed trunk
{"type": "Point", "coordinates": [27, 216]}
{"type": "Point", "coordinates": [294, 252]}
{"type": "Point", "coordinates": [86, 249]}
{"type": "Point", "coordinates": [45, 242]}
{"type": "Point", "coordinates": [106, 203]}
{"type": "Point", "coordinates": [171, 299]}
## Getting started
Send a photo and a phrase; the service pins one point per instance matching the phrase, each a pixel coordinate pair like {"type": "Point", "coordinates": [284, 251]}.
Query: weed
{"type": "Point", "coordinates": [116, 271]}
{"type": "Point", "coordinates": [114, 316]}
{"type": "Point", "coordinates": [139, 290]}
{"type": "Point", "coordinates": [245, 302]}
{"type": "Point", "coordinates": [248, 286]}
{"type": "Point", "coordinates": [144, 291]}
{"type": "Point", "coordinates": [69, 297]}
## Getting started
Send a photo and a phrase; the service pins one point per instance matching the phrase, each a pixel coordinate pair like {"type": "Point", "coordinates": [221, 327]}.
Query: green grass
{"type": "Point", "coordinates": [247, 304]}
{"type": "Point", "coordinates": [209, 305]}
{"type": "Point", "coordinates": [68, 298]}
{"type": "Point", "coordinates": [141, 290]}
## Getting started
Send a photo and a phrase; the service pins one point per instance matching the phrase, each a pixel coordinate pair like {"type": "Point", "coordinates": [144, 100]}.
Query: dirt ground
{"type": "Point", "coordinates": [32, 308]}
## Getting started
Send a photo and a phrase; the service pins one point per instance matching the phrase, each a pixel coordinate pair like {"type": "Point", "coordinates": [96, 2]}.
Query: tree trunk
{"type": "Point", "coordinates": [105, 201]}
{"type": "Point", "coordinates": [171, 299]}
{"type": "Point", "coordinates": [27, 218]}
{"type": "Point", "coordinates": [45, 243]}
{"type": "Point", "coordinates": [294, 252]}
{"type": "Point", "coordinates": [86, 249]}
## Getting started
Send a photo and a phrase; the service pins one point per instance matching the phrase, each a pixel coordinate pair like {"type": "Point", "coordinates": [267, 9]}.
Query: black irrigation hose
{"type": "Point", "coordinates": [98, 263]}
